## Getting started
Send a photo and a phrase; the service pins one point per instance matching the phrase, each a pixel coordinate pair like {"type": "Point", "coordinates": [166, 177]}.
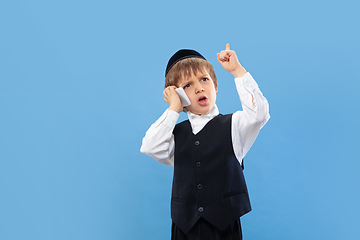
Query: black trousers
{"type": "Point", "coordinates": [203, 230]}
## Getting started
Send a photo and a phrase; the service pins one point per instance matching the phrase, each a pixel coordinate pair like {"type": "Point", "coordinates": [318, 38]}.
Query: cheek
{"type": "Point", "coordinates": [214, 96]}
{"type": "Point", "coordinates": [190, 96]}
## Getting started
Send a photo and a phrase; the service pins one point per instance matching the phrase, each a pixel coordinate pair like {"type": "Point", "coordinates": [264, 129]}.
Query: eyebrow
{"type": "Point", "coordinates": [204, 75]}
{"type": "Point", "coordinates": [185, 83]}
{"type": "Point", "coordinates": [199, 75]}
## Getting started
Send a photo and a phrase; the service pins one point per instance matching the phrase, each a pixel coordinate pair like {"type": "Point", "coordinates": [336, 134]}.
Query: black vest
{"type": "Point", "coordinates": [208, 179]}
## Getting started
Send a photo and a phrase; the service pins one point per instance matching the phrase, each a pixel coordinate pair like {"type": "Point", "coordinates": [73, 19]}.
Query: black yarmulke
{"type": "Point", "coordinates": [180, 55]}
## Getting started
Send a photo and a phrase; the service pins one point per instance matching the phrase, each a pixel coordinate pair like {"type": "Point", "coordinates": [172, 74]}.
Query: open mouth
{"type": "Point", "coordinates": [203, 100]}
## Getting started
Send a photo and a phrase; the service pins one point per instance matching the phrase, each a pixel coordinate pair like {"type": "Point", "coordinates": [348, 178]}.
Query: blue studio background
{"type": "Point", "coordinates": [81, 82]}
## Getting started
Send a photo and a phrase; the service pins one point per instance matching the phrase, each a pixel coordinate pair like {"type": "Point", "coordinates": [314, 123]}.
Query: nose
{"type": "Point", "coordinates": [199, 89]}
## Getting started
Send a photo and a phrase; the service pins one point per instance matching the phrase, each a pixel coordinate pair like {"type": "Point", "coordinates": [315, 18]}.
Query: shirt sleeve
{"type": "Point", "coordinates": [158, 142]}
{"type": "Point", "coordinates": [246, 124]}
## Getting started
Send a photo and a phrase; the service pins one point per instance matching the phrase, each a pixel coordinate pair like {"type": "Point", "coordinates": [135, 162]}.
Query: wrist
{"type": "Point", "coordinates": [177, 109]}
{"type": "Point", "coordinates": [239, 72]}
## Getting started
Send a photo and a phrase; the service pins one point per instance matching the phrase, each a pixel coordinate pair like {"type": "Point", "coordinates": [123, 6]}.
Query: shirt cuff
{"type": "Point", "coordinates": [172, 118]}
{"type": "Point", "coordinates": [247, 81]}
{"type": "Point", "coordinates": [246, 86]}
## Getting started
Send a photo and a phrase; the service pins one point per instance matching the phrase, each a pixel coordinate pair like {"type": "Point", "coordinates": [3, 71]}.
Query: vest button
{"type": "Point", "coordinates": [198, 164]}
{"type": "Point", "coordinates": [200, 209]}
{"type": "Point", "coordinates": [199, 186]}
{"type": "Point", "coordinates": [197, 143]}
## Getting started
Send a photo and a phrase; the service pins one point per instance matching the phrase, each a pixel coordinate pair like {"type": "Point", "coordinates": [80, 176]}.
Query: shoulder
{"type": "Point", "coordinates": [223, 118]}
{"type": "Point", "coordinates": [181, 126]}
{"type": "Point", "coordinates": [183, 123]}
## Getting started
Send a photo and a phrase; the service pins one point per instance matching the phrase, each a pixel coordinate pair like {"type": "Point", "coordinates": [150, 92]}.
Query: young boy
{"type": "Point", "coordinates": [209, 192]}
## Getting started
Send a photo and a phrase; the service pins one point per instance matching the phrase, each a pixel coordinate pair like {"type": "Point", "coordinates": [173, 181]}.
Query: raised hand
{"type": "Point", "coordinates": [228, 59]}
{"type": "Point", "coordinates": [172, 98]}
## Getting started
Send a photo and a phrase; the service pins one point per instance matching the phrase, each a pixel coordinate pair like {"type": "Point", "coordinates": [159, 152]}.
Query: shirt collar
{"type": "Point", "coordinates": [198, 119]}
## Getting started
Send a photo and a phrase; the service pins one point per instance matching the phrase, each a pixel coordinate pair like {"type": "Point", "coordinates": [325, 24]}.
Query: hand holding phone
{"type": "Point", "coordinates": [185, 101]}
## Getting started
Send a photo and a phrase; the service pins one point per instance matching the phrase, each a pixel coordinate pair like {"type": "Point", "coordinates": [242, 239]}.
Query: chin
{"type": "Point", "coordinates": [202, 111]}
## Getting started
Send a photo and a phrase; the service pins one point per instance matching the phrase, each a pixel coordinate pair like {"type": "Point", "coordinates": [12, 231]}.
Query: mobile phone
{"type": "Point", "coordinates": [185, 101]}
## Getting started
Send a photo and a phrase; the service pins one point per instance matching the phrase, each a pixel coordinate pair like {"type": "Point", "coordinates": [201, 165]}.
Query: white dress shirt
{"type": "Point", "coordinates": [159, 143]}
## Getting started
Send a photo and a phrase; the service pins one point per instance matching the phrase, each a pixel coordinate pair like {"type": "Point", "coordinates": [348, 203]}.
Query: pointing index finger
{"type": "Point", "coordinates": [227, 46]}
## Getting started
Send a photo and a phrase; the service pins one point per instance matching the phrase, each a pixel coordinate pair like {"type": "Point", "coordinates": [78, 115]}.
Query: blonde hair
{"type": "Point", "coordinates": [186, 67]}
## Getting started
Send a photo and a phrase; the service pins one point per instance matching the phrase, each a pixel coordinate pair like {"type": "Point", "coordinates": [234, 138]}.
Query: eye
{"type": "Point", "coordinates": [186, 86]}
{"type": "Point", "coordinates": [204, 79]}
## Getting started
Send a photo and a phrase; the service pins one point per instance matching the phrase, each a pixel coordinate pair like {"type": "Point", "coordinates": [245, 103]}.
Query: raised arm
{"type": "Point", "coordinates": [158, 142]}
{"type": "Point", "coordinates": [247, 123]}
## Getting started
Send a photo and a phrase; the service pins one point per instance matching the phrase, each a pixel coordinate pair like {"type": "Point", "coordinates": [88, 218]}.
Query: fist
{"type": "Point", "coordinates": [172, 98]}
{"type": "Point", "coordinates": [229, 61]}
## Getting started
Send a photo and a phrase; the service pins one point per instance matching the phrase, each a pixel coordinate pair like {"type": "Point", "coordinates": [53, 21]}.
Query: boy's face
{"type": "Point", "coordinates": [201, 91]}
